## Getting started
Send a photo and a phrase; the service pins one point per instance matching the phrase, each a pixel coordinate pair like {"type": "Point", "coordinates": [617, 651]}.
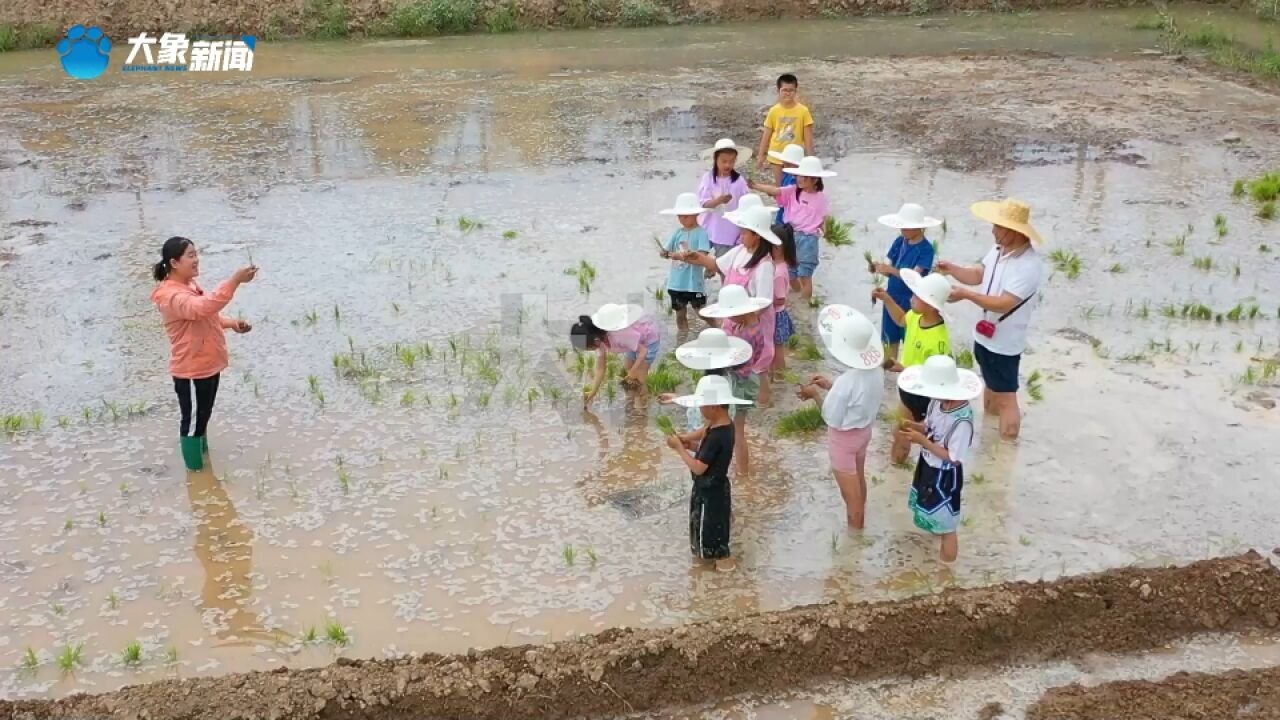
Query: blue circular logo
{"type": "Point", "coordinates": [85, 52]}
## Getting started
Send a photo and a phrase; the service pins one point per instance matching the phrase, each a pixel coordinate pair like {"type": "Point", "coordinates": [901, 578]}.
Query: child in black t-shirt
{"type": "Point", "coordinates": [710, 503]}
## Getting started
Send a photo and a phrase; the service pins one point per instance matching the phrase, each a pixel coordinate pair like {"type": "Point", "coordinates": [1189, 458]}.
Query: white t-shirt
{"type": "Point", "coordinates": [952, 429]}
{"type": "Point", "coordinates": [1019, 275]}
{"type": "Point", "coordinates": [761, 283]}
{"type": "Point", "coordinates": [854, 399]}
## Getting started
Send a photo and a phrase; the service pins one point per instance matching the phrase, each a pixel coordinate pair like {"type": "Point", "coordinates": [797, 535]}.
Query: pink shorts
{"type": "Point", "coordinates": [848, 448]}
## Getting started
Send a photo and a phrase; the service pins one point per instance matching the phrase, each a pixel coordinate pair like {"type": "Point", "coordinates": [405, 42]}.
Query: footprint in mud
{"type": "Point", "coordinates": [85, 52]}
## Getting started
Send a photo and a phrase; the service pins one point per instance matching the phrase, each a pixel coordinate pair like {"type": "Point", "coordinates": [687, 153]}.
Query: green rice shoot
{"type": "Point", "coordinates": [665, 424]}
{"type": "Point", "coordinates": [798, 422]}
{"type": "Point", "coordinates": [837, 233]}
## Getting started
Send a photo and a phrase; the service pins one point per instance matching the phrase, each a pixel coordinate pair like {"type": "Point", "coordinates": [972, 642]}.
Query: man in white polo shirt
{"type": "Point", "coordinates": [1006, 283]}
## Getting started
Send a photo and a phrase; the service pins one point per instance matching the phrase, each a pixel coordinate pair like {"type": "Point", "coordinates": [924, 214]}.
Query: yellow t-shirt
{"type": "Point", "coordinates": [921, 343]}
{"type": "Point", "coordinates": [787, 125]}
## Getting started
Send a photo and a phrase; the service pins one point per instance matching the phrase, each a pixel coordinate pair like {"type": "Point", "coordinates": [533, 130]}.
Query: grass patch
{"type": "Point", "coordinates": [837, 233]}
{"type": "Point", "coordinates": [502, 19]}
{"type": "Point", "coordinates": [663, 378]}
{"type": "Point", "coordinates": [1267, 210]}
{"type": "Point", "coordinates": [642, 13]}
{"type": "Point", "coordinates": [806, 419]}
{"type": "Point", "coordinates": [436, 17]}
{"type": "Point", "coordinates": [1151, 22]}
{"type": "Point", "coordinates": [1067, 262]}
{"type": "Point", "coordinates": [1223, 49]}
{"type": "Point", "coordinates": [27, 37]}
{"type": "Point", "coordinates": [1220, 224]}
{"type": "Point", "coordinates": [325, 19]}
{"type": "Point", "coordinates": [337, 634]}
{"type": "Point", "coordinates": [132, 654]}
{"type": "Point", "coordinates": [803, 347]}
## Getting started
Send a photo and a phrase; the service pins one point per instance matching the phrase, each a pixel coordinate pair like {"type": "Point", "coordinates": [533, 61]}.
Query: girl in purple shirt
{"type": "Point", "coordinates": [719, 191]}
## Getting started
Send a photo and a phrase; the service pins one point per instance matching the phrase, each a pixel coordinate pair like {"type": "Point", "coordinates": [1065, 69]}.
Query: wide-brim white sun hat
{"type": "Point", "coordinates": [909, 217]}
{"type": "Point", "coordinates": [711, 390]}
{"type": "Point", "coordinates": [850, 337]}
{"type": "Point", "coordinates": [758, 220]}
{"type": "Point", "coordinates": [810, 166]}
{"type": "Point", "coordinates": [791, 154]}
{"type": "Point", "coordinates": [940, 379]}
{"type": "Point", "coordinates": [714, 349]}
{"type": "Point", "coordinates": [611, 317]}
{"type": "Point", "coordinates": [744, 152]}
{"type": "Point", "coordinates": [933, 289]}
{"type": "Point", "coordinates": [686, 204]}
{"type": "Point", "coordinates": [734, 301]}
{"type": "Point", "coordinates": [751, 200]}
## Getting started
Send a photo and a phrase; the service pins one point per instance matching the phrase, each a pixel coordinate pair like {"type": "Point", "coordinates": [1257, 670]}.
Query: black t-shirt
{"type": "Point", "coordinates": [716, 450]}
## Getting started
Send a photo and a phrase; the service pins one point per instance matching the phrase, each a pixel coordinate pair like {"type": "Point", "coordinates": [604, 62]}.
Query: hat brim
{"type": "Point", "coordinates": [697, 400]}
{"type": "Point", "coordinates": [775, 155]}
{"type": "Point", "coordinates": [737, 219]}
{"type": "Point", "coordinates": [738, 352]}
{"type": "Point", "coordinates": [914, 282]}
{"type": "Point", "coordinates": [718, 311]}
{"type": "Point", "coordinates": [744, 153]}
{"type": "Point", "coordinates": [684, 211]}
{"type": "Point", "coordinates": [819, 174]}
{"type": "Point", "coordinates": [614, 324]}
{"type": "Point", "coordinates": [989, 210]}
{"type": "Point", "coordinates": [897, 223]}
{"type": "Point", "coordinates": [967, 387]}
{"type": "Point", "coordinates": [866, 358]}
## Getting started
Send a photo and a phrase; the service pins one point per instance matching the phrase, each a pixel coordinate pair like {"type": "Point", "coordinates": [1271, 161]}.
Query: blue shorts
{"type": "Point", "coordinates": [650, 353]}
{"type": "Point", "coordinates": [806, 254]}
{"type": "Point", "coordinates": [891, 333]}
{"type": "Point", "coordinates": [999, 372]}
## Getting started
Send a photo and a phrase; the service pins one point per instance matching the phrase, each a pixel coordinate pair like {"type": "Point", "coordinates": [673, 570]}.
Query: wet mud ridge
{"type": "Point", "coordinates": [625, 670]}
{"type": "Point", "coordinates": [1253, 694]}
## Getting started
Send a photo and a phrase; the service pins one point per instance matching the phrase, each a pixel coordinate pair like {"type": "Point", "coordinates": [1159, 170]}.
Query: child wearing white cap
{"type": "Point", "coordinates": [944, 439]}
{"type": "Point", "coordinates": [686, 284]}
{"type": "Point", "coordinates": [910, 250]}
{"type": "Point", "coordinates": [720, 190]}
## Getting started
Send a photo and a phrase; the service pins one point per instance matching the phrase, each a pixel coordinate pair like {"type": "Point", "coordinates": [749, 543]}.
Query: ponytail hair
{"type": "Point", "coordinates": [763, 250]}
{"type": "Point", "coordinates": [172, 249]}
{"type": "Point", "coordinates": [787, 235]}
{"type": "Point", "coordinates": [584, 334]}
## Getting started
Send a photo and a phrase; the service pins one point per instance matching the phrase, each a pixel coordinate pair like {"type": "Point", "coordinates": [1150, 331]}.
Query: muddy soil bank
{"type": "Point", "coordinates": [330, 18]}
{"type": "Point", "coordinates": [624, 670]}
{"type": "Point", "coordinates": [1253, 694]}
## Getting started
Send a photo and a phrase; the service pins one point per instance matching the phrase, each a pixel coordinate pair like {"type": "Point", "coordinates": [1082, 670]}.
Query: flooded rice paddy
{"type": "Point", "coordinates": [400, 460]}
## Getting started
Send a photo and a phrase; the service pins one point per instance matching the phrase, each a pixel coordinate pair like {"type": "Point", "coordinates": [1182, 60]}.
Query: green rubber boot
{"type": "Point", "coordinates": [191, 454]}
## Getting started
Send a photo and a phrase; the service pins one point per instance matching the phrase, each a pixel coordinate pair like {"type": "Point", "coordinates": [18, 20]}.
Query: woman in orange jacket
{"type": "Point", "coordinates": [196, 330]}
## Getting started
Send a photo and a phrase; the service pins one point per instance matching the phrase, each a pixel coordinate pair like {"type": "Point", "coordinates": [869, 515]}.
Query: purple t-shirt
{"type": "Point", "coordinates": [630, 339]}
{"type": "Point", "coordinates": [721, 231]}
{"type": "Point", "coordinates": [805, 214]}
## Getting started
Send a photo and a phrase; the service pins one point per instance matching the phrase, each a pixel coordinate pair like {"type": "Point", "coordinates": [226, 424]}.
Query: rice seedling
{"type": "Point", "coordinates": [71, 656]}
{"type": "Point", "coordinates": [1116, 268]}
{"type": "Point", "coordinates": [1203, 263]}
{"type": "Point", "coordinates": [666, 377]}
{"type": "Point", "coordinates": [804, 347]}
{"type": "Point", "coordinates": [964, 358]}
{"type": "Point", "coordinates": [1248, 377]}
{"type": "Point", "coordinates": [978, 479]}
{"type": "Point", "coordinates": [87, 413]}
{"type": "Point", "coordinates": [510, 235]}
{"type": "Point", "coordinates": [1239, 346]}
{"type": "Point", "coordinates": [532, 396]}
{"type": "Point", "coordinates": [408, 357]}
{"type": "Point", "coordinates": [1024, 540]}
{"type": "Point", "coordinates": [1098, 348]}
{"type": "Point", "coordinates": [30, 661]}
{"type": "Point", "coordinates": [510, 394]}
{"type": "Point", "coordinates": [58, 609]}
{"type": "Point", "coordinates": [319, 396]}
{"type": "Point", "coordinates": [1179, 246]}
{"type": "Point", "coordinates": [453, 401]}
{"type": "Point", "coordinates": [592, 557]}
{"type": "Point", "coordinates": [36, 420]}
{"type": "Point", "coordinates": [171, 655]}
{"type": "Point", "coordinates": [1144, 310]}
{"type": "Point", "coordinates": [1235, 270]}
{"type": "Point", "coordinates": [1238, 188]}
{"type": "Point", "coordinates": [1220, 224]}
{"type": "Point", "coordinates": [610, 392]}
{"type": "Point", "coordinates": [1067, 262]}
{"type": "Point", "coordinates": [1267, 210]}
{"type": "Point", "coordinates": [312, 317]}
{"type": "Point", "coordinates": [568, 554]}
{"type": "Point", "coordinates": [562, 353]}
{"type": "Point", "coordinates": [1034, 390]}
{"type": "Point", "coordinates": [482, 399]}
{"type": "Point", "coordinates": [665, 424]}
{"type": "Point", "coordinates": [871, 261]}
{"type": "Point", "coordinates": [487, 371]}
{"type": "Point", "coordinates": [407, 399]}
{"type": "Point", "coordinates": [1264, 248]}
{"type": "Point", "coordinates": [659, 293]}
{"type": "Point", "coordinates": [313, 383]}
{"type": "Point", "coordinates": [102, 519]}
{"type": "Point", "coordinates": [113, 600]}
{"type": "Point", "coordinates": [554, 393]}
{"type": "Point", "coordinates": [466, 224]}
{"type": "Point", "coordinates": [13, 424]}
{"type": "Point", "coordinates": [337, 634]}
{"type": "Point", "coordinates": [1197, 311]}
{"type": "Point", "coordinates": [1265, 188]}
{"type": "Point", "coordinates": [337, 314]}
{"type": "Point", "coordinates": [69, 525]}
{"type": "Point", "coordinates": [132, 653]}
{"type": "Point", "coordinates": [1253, 312]}
{"type": "Point", "coordinates": [806, 419]}
{"type": "Point", "coordinates": [836, 232]}
{"type": "Point", "coordinates": [877, 481]}
{"type": "Point", "coordinates": [310, 635]}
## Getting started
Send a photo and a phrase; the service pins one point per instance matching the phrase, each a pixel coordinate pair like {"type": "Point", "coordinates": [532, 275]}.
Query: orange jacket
{"type": "Point", "coordinates": [195, 326]}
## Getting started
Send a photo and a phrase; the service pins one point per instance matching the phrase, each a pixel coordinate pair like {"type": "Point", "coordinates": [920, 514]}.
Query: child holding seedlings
{"type": "Point", "coordinates": [710, 503]}
{"type": "Point", "coordinates": [686, 284]}
{"type": "Point", "coordinates": [784, 258]}
{"type": "Point", "coordinates": [911, 249]}
{"type": "Point", "coordinates": [197, 334]}
{"type": "Point", "coordinates": [719, 192]}
{"type": "Point", "coordinates": [628, 329]}
{"type": "Point", "coordinates": [850, 404]}
{"type": "Point", "coordinates": [790, 157]}
{"type": "Point", "coordinates": [944, 439]}
{"type": "Point", "coordinates": [749, 264]}
{"type": "Point", "coordinates": [805, 204]}
{"type": "Point", "coordinates": [926, 335]}
{"type": "Point", "coordinates": [787, 122]}
{"type": "Point", "coordinates": [714, 353]}
{"type": "Point", "coordinates": [742, 319]}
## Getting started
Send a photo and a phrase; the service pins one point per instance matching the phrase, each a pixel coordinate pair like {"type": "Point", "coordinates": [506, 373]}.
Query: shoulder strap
{"type": "Point", "coordinates": [1015, 308]}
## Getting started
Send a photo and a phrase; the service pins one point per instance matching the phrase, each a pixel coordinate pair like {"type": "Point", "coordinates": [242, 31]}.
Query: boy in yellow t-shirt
{"type": "Point", "coordinates": [788, 122]}
{"type": "Point", "coordinates": [926, 336]}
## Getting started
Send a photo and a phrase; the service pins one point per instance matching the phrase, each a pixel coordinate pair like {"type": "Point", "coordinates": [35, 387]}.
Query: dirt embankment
{"type": "Point", "coordinates": [329, 18]}
{"type": "Point", "coordinates": [1252, 694]}
{"type": "Point", "coordinates": [625, 670]}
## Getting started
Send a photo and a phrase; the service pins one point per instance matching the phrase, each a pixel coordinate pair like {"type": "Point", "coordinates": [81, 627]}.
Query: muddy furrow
{"type": "Point", "coordinates": [1252, 694]}
{"type": "Point", "coordinates": [625, 670]}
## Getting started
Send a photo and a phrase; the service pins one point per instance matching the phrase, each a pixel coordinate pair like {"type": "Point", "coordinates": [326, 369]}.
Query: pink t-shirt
{"type": "Point", "coordinates": [781, 277]}
{"type": "Point", "coordinates": [760, 337]}
{"type": "Point", "coordinates": [630, 339]}
{"type": "Point", "coordinates": [806, 214]}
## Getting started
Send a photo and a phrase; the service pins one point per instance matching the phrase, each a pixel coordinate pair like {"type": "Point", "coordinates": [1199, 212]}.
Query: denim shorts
{"type": "Point", "coordinates": [650, 353]}
{"type": "Point", "coordinates": [806, 254]}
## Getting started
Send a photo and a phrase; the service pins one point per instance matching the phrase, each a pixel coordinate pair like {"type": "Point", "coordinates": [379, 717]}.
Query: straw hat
{"type": "Point", "coordinates": [758, 220]}
{"type": "Point", "coordinates": [751, 200]}
{"type": "Point", "coordinates": [933, 289]}
{"type": "Point", "coordinates": [744, 153]}
{"type": "Point", "coordinates": [940, 379]}
{"type": "Point", "coordinates": [1010, 213]}
{"type": "Point", "coordinates": [909, 217]}
{"type": "Point", "coordinates": [791, 154]}
{"type": "Point", "coordinates": [810, 166]}
{"type": "Point", "coordinates": [611, 317]}
{"type": "Point", "coordinates": [734, 301]}
{"type": "Point", "coordinates": [851, 337]}
{"type": "Point", "coordinates": [711, 390]}
{"type": "Point", "coordinates": [686, 204]}
{"type": "Point", "coordinates": [714, 349]}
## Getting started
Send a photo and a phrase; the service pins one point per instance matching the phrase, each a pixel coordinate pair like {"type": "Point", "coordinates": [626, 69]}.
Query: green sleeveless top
{"type": "Point", "coordinates": [922, 343]}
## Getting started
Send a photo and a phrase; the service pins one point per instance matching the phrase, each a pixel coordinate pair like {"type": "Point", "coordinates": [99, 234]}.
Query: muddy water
{"type": "Point", "coordinates": [463, 498]}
